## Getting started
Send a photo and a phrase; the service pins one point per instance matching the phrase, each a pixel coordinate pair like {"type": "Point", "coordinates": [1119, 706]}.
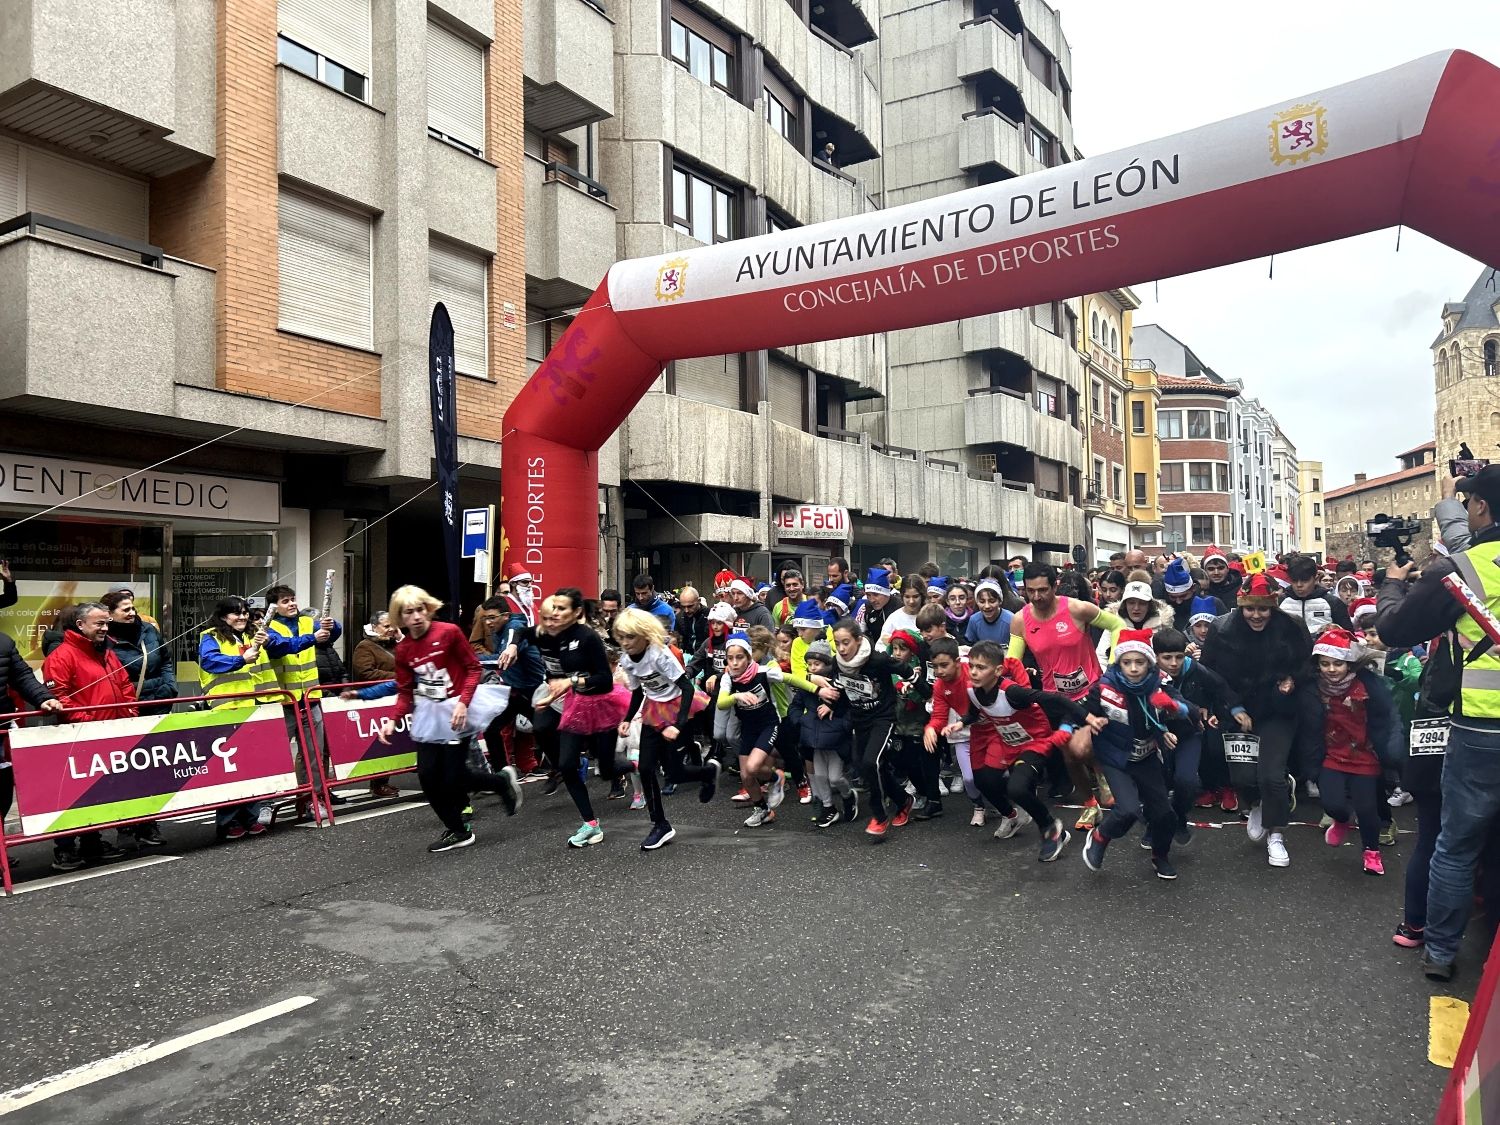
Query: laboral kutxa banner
{"type": "Point", "coordinates": [79, 775]}
{"type": "Point", "coordinates": [350, 726]}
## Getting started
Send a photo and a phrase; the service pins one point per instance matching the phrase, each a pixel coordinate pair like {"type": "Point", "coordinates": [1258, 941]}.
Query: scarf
{"type": "Point", "coordinates": [1335, 689]}
{"type": "Point", "coordinates": [860, 657]}
{"type": "Point", "coordinates": [1139, 692]}
{"type": "Point", "coordinates": [955, 620]}
{"type": "Point", "coordinates": [126, 631]}
{"type": "Point", "coordinates": [748, 674]}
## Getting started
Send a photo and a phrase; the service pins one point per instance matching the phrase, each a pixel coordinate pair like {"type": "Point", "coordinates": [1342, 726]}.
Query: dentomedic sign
{"type": "Point", "coordinates": [36, 479]}
{"type": "Point", "coordinates": [79, 775]}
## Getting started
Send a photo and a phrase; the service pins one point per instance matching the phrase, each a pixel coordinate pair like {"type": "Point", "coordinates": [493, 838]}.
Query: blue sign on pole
{"type": "Point", "coordinates": [476, 531]}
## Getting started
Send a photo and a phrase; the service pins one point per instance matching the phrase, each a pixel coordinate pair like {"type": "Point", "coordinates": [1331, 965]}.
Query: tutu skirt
{"type": "Point", "coordinates": [590, 714]}
{"type": "Point", "coordinates": [663, 714]}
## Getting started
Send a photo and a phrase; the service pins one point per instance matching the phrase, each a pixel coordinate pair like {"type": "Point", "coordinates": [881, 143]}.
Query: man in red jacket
{"type": "Point", "coordinates": [84, 672]}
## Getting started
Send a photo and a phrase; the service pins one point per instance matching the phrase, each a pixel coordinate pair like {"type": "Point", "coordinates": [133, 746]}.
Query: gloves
{"type": "Point", "coordinates": [1162, 701]}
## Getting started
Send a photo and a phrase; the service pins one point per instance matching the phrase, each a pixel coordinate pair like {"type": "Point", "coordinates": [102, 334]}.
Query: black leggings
{"type": "Point", "coordinates": [1005, 789]}
{"type": "Point", "coordinates": [448, 779]}
{"type": "Point", "coordinates": [678, 759]}
{"type": "Point", "coordinates": [494, 738]}
{"type": "Point", "coordinates": [789, 746]}
{"type": "Point", "coordinates": [920, 767]}
{"type": "Point", "coordinates": [873, 760]}
{"type": "Point", "coordinates": [565, 752]}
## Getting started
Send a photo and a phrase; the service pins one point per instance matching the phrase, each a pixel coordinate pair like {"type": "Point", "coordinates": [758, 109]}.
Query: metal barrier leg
{"type": "Point", "coordinates": [312, 759]}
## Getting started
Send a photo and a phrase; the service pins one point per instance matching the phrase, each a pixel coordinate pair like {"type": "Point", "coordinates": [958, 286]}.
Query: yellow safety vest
{"type": "Point", "coordinates": [1480, 695]}
{"type": "Point", "coordinates": [297, 672]}
{"type": "Point", "coordinates": [251, 677]}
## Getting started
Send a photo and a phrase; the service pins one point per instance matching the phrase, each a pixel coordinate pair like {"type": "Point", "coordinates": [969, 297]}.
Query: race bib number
{"type": "Point", "coordinates": [1142, 748]}
{"type": "Point", "coordinates": [1071, 683]}
{"type": "Point", "coordinates": [1429, 736]}
{"type": "Point", "coordinates": [1012, 734]}
{"type": "Point", "coordinates": [1243, 748]}
{"type": "Point", "coordinates": [857, 690]}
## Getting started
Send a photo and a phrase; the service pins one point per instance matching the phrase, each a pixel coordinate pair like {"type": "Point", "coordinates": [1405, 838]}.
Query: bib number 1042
{"type": "Point", "coordinates": [1242, 748]}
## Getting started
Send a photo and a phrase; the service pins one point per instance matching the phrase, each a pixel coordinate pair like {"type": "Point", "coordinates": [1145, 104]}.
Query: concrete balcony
{"type": "Point", "coordinates": [1056, 440]}
{"type": "Point", "coordinates": [984, 46]}
{"type": "Point", "coordinates": [570, 238]}
{"type": "Point", "coordinates": [569, 67]}
{"type": "Point", "coordinates": [330, 140]}
{"type": "Point", "coordinates": [986, 138]}
{"type": "Point", "coordinates": [1057, 522]}
{"type": "Point", "coordinates": [998, 418]}
{"type": "Point", "coordinates": [1013, 331]}
{"type": "Point", "coordinates": [837, 82]}
{"type": "Point", "coordinates": [130, 82]}
{"type": "Point", "coordinates": [677, 439]}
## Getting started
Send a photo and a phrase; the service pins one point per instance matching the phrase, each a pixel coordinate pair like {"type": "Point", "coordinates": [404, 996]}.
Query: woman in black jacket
{"type": "Point", "coordinates": [17, 678]}
{"type": "Point", "coordinates": [1263, 654]}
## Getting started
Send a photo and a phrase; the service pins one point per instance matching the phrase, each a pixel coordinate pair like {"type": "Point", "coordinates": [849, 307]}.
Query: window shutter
{"type": "Point", "coordinates": [325, 271]}
{"type": "Point", "coordinates": [10, 179]}
{"type": "Point", "coordinates": [788, 384]}
{"type": "Point", "coordinates": [80, 193]}
{"type": "Point", "coordinates": [455, 86]}
{"type": "Point", "coordinates": [457, 279]}
{"type": "Point", "coordinates": [714, 379]}
{"type": "Point", "coordinates": [335, 29]}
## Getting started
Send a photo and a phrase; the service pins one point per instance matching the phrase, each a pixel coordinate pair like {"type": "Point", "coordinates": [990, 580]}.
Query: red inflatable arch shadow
{"type": "Point", "coordinates": [1418, 145]}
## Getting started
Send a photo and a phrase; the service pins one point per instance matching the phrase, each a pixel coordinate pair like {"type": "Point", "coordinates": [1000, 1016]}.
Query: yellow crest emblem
{"type": "Point", "coordinates": [1299, 134]}
{"type": "Point", "coordinates": [671, 279]}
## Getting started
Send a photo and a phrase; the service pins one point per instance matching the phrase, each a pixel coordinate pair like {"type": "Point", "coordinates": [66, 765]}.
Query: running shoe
{"type": "Point", "coordinates": [587, 834]}
{"type": "Point", "coordinates": [1399, 797]}
{"type": "Point", "coordinates": [1276, 853]}
{"type": "Point", "coordinates": [930, 810]}
{"type": "Point", "coordinates": [1254, 827]}
{"type": "Point", "coordinates": [1089, 816]}
{"type": "Point", "coordinates": [1374, 865]}
{"type": "Point", "coordinates": [1229, 800]}
{"type": "Point", "coordinates": [1093, 850]}
{"type": "Point", "coordinates": [710, 785]}
{"type": "Point", "coordinates": [235, 832]}
{"type": "Point", "coordinates": [637, 802]}
{"type": "Point", "coordinates": [956, 786]}
{"type": "Point", "coordinates": [510, 790]}
{"type": "Point", "coordinates": [760, 815]}
{"type": "Point", "coordinates": [669, 788]}
{"type": "Point", "coordinates": [827, 818]}
{"type": "Point", "coordinates": [468, 812]}
{"type": "Point", "coordinates": [977, 819]}
{"type": "Point", "coordinates": [851, 806]}
{"type": "Point", "coordinates": [266, 816]}
{"type": "Point", "coordinates": [617, 789]}
{"type": "Point", "coordinates": [875, 828]}
{"type": "Point", "coordinates": [1146, 839]}
{"type": "Point", "coordinates": [66, 859]}
{"type": "Point", "coordinates": [1010, 825]}
{"type": "Point", "coordinates": [1054, 842]}
{"type": "Point", "coordinates": [776, 791]}
{"type": "Point", "coordinates": [903, 817]}
{"type": "Point", "coordinates": [804, 794]}
{"type": "Point", "coordinates": [383, 790]}
{"type": "Point", "coordinates": [740, 798]}
{"type": "Point", "coordinates": [1164, 868]}
{"type": "Point", "coordinates": [660, 835]}
{"type": "Point", "coordinates": [1206, 799]}
{"type": "Point", "coordinates": [256, 828]}
{"type": "Point", "coordinates": [1183, 837]}
{"type": "Point", "coordinates": [553, 781]}
{"type": "Point", "coordinates": [149, 835]}
{"type": "Point", "coordinates": [1434, 969]}
{"type": "Point", "coordinates": [450, 840]}
{"type": "Point", "coordinates": [1408, 937]}
{"type": "Point", "coordinates": [1336, 834]}
{"type": "Point", "coordinates": [1388, 835]}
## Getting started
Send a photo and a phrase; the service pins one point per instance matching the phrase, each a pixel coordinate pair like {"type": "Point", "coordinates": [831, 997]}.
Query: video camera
{"type": "Point", "coordinates": [1395, 532]}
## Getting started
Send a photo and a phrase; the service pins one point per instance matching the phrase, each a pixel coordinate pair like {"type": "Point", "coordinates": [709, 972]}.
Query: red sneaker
{"type": "Point", "coordinates": [1206, 799]}
{"type": "Point", "coordinates": [234, 832]}
{"type": "Point", "coordinates": [804, 794]}
{"type": "Point", "coordinates": [875, 828]}
{"type": "Point", "coordinates": [741, 798]}
{"type": "Point", "coordinates": [1228, 801]}
{"type": "Point", "coordinates": [902, 818]}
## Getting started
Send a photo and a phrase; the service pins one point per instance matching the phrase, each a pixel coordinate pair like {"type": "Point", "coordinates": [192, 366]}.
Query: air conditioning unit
{"type": "Point", "coordinates": [985, 463]}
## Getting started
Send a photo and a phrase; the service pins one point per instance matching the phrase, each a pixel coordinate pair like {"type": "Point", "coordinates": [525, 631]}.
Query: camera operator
{"type": "Point", "coordinates": [1451, 518]}
{"type": "Point", "coordinates": [1471, 774]}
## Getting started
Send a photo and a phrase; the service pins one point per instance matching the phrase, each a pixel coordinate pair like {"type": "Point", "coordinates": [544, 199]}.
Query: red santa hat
{"type": "Point", "coordinates": [515, 571]}
{"type": "Point", "coordinates": [522, 596]}
{"type": "Point", "coordinates": [1214, 553]}
{"type": "Point", "coordinates": [1258, 590]}
{"type": "Point", "coordinates": [722, 581]}
{"type": "Point", "coordinates": [1337, 644]}
{"type": "Point", "coordinates": [1137, 641]}
{"type": "Point", "coordinates": [1361, 607]}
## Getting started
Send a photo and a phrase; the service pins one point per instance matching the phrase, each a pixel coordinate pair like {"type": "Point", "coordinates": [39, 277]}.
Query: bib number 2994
{"type": "Point", "coordinates": [1429, 737]}
{"type": "Point", "coordinates": [1242, 748]}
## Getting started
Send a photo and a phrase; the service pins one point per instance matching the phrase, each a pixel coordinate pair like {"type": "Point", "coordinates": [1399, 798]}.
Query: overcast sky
{"type": "Point", "coordinates": [1337, 343]}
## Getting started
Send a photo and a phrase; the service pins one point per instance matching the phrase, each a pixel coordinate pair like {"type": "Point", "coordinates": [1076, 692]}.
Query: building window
{"type": "Point", "coordinates": [703, 49]}
{"type": "Point", "coordinates": [1169, 425]}
{"type": "Point", "coordinates": [1138, 480]}
{"type": "Point", "coordinates": [781, 107]}
{"type": "Point", "coordinates": [327, 40]}
{"type": "Point", "coordinates": [1096, 398]}
{"type": "Point", "coordinates": [1226, 525]}
{"type": "Point", "coordinates": [1221, 425]}
{"type": "Point", "coordinates": [1199, 425]}
{"type": "Point", "coordinates": [1114, 408]}
{"type": "Point", "coordinates": [1317, 485]}
{"type": "Point", "coordinates": [1094, 326]}
{"type": "Point", "coordinates": [1492, 357]}
{"type": "Point", "coordinates": [1200, 476]}
{"type": "Point", "coordinates": [1049, 479]}
{"type": "Point", "coordinates": [1174, 530]}
{"type": "Point", "coordinates": [1221, 477]}
{"type": "Point", "coordinates": [1203, 529]}
{"type": "Point", "coordinates": [324, 258]}
{"type": "Point", "coordinates": [1317, 508]}
{"type": "Point", "coordinates": [1049, 396]}
{"type": "Point", "coordinates": [1117, 481]}
{"type": "Point", "coordinates": [701, 208]}
{"type": "Point", "coordinates": [459, 279]}
{"type": "Point", "coordinates": [1171, 477]}
{"type": "Point", "coordinates": [1138, 417]}
{"type": "Point", "coordinates": [1098, 481]}
{"type": "Point", "coordinates": [1318, 534]}
{"type": "Point", "coordinates": [1045, 316]}
{"type": "Point", "coordinates": [1039, 61]}
{"type": "Point", "coordinates": [455, 89]}
{"type": "Point", "coordinates": [1040, 144]}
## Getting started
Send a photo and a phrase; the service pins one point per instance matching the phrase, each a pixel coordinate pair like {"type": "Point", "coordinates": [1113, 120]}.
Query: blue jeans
{"type": "Point", "coordinates": [1471, 801]}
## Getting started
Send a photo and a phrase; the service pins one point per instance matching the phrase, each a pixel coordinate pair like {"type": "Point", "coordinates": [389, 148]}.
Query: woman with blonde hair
{"type": "Point", "coordinates": [662, 693]}
{"type": "Point", "coordinates": [436, 675]}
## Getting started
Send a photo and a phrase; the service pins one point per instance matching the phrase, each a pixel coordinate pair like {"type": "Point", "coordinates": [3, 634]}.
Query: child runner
{"type": "Point", "coordinates": [706, 666]}
{"type": "Point", "coordinates": [915, 690]}
{"type": "Point", "coordinates": [746, 686]}
{"type": "Point", "coordinates": [959, 611]}
{"type": "Point", "coordinates": [1011, 737]}
{"type": "Point", "coordinates": [1349, 724]}
{"type": "Point", "coordinates": [913, 598]}
{"type": "Point", "coordinates": [1139, 708]}
{"type": "Point", "coordinates": [954, 772]}
{"type": "Point", "coordinates": [866, 678]}
{"type": "Point", "coordinates": [436, 674]}
{"type": "Point", "coordinates": [950, 683]}
{"type": "Point", "coordinates": [662, 693]}
{"type": "Point", "coordinates": [825, 731]}
{"type": "Point", "coordinates": [788, 647]}
{"type": "Point", "coordinates": [991, 622]}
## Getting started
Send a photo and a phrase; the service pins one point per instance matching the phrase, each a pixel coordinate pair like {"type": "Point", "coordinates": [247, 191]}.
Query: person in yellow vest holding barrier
{"type": "Point", "coordinates": [292, 637]}
{"type": "Point", "coordinates": [231, 663]}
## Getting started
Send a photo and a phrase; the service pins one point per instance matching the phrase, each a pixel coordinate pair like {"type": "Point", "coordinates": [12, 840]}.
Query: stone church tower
{"type": "Point", "coordinates": [1466, 373]}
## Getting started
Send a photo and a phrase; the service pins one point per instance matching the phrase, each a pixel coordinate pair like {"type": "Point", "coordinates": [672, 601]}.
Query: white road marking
{"type": "Point", "coordinates": [369, 814]}
{"type": "Point", "coordinates": [93, 873]}
{"type": "Point", "coordinates": [139, 1055]}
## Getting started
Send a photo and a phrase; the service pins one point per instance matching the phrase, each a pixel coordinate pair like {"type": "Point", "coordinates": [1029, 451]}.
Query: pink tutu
{"type": "Point", "coordinates": [661, 715]}
{"type": "Point", "coordinates": [591, 714]}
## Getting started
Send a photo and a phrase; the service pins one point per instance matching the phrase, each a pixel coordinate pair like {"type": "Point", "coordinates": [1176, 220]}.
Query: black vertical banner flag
{"type": "Point", "coordinates": [445, 442]}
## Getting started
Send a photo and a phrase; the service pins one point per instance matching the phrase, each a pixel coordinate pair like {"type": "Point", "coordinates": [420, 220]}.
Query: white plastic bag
{"type": "Point", "coordinates": [432, 721]}
{"type": "Point", "coordinates": [489, 700]}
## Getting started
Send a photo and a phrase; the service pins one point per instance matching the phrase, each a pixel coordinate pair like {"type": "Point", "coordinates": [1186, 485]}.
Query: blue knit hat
{"type": "Point", "coordinates": [938, 582]}
{"type": "Point", "coordinates": [878, 581]}
{"type": "Point", "coordinates": [1203, 610]}
{"type": "Point", "coordinates": [843, 596]}
{"type": "Point", "coordinates": [807, 616]}
{"type": "Point", "coordinates": [1177, 580]}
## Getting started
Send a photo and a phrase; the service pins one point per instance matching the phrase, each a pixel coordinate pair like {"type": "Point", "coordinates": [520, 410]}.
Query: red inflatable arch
{"type": "Point", "coordinates": [1418, 145]}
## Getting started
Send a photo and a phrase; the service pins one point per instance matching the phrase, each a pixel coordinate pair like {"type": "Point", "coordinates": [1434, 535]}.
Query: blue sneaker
{"type": "Point", "coordinates": [587, 834]}
{"type": "Point", "coordinates": [1054, 842]}
{"type": "Point", "coordinates": [1093, 851]}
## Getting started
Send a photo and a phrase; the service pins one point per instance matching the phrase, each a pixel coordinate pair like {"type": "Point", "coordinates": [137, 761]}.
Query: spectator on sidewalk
{"type": "Point", "coordinates": [17, 679]}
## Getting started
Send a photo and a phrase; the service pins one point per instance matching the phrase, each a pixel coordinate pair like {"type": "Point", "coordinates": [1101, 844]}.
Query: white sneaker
{"type": "Point", "coordinates": [977, 820]}
{"type": "Point", "coordinates": [1254, 828]}
{"type": "Point", "coordinates": [758, 817]}
{"type": "Point", "coordinates": [1276, 851]}
{"type": "Point", "coordinates": [956, 786]}
{"type": "Point", "coordinates": [1010, 825]}
{"type": "Point", "coordinates": [911, 790]}
{"type": "Point", "coordinates": [1312, 790]}
{"type": "Point", "coordinates": [1399, 797]}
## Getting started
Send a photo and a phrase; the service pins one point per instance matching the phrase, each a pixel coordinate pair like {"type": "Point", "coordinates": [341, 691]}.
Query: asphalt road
{"type": "Point", "coordinates": [739, 975]}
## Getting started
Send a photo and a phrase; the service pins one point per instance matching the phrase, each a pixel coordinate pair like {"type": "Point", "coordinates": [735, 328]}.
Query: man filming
{"type": "Point", "coordinates": [1407, 616]}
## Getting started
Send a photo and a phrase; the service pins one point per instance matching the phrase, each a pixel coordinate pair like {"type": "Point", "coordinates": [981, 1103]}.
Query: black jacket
{"type": "Point", "coordinates": [1253, 663]}
{"type": "Point", "coordinates": [692, 628]}
{"type": "Point", "coordinates": [1226, 591]}
{"type": "Point", "coordinates": [1207, 691]}
{"type": "Point", "coordinates": [1182, 613]}
{"type": "Point", "coordinates": [16, 676]}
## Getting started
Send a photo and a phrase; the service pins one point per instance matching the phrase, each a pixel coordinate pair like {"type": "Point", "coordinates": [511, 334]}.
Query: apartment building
{"type": "Point", "coordinates": [1410, 491]}
{"type": "Point", "coordinates": [1285, 495]}
{"type": "Point", "coordinates": [1253, 496]}
{"type": "Point", "coordinates": [1118, 417]}
{"type": "Point", "coordinates": [1312, 523]}
{"type": "Point", "coordinates": [231, 221]}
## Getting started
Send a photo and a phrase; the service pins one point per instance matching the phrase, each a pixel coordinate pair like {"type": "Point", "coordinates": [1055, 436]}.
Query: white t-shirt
{"type": "Point", "coordinates": [899, 619]}
{"type": "Point", "coordinates": [656, 673]}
